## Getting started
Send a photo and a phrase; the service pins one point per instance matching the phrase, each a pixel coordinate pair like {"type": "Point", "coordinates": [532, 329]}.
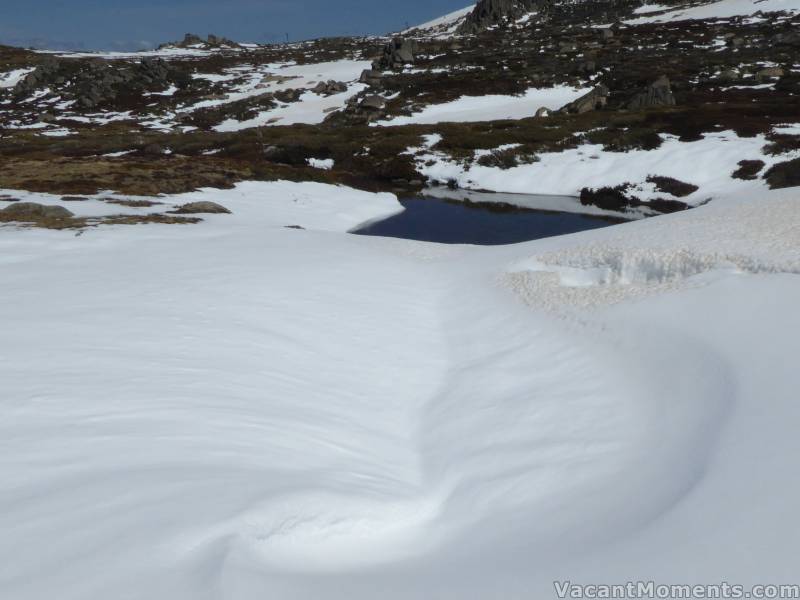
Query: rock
{"type": "Point", "coordinates": [396, 54]}
{"type": "Point", "coordinates": [203, 207]}
{"type": "Point", "coordinates": [191, 39]}
{"type": "Point", "coordinates": [736, 42]}
{"type": "Point", "coordinates": [92, 83]}
{"type": "Point", "coordinates": [770, 73]}
{"type": "Point", "coordinates": [594, 100]}
{"type": "Point", "coordinates": [542, 112]}
{"type": "Point", "coordinates": [789, 38]}
{"type": "Point", "coordinates": [373, 103]}
{"type": "Point", "coordinates": [729, 75]}
{"type": "Point", "coordinates": [606, 33]}
{"type": "Point", "coordinates": [288, 96]}
{"type": "Point", "coordinates": [32, 211]}
{"type": "Point", "coordinates": [658, 93]}
{"type": "Point", "coordinates": [488, 13]}
{"type": "Point", "coordinates": [372, 78]}
{"type": "Point", "coordinates": [328, 88]}
{"type": "Point", "coordinates": [153, 150]}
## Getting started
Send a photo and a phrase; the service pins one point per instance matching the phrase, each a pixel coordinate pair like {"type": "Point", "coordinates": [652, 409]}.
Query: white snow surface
{"type": "Point", "coordinates": [492, 107]}
{"type": "Point", "coordinates": [310, 109]}
{"type": "Point", "coordinates": [165, 53]}
{"type": "Point", "coordinates": [444, 23]}
{"type": "Point", "coordinates": [12, 78]}
{"type": "Point", "coordinates": [237, 410]}
{"type": "Point", "coordinates": [708, 163]}
{"type": "Point", "coordinates": [715, 10]}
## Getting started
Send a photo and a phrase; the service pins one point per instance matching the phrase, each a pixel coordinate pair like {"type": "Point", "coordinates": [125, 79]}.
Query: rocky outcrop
{"type": "Point", "coordinates": [658, 93]}
{"type": "Point", "coordinates": [192, 40]}
{"type": "Point", "coordinates": [594, 100]}
{"type": "Point", "coordinates": [95, 82]}
{"type": "Point", "coordinates": [488, 13]}
{"type": "Point", "coordinates": [360, 111]}
{"type": "Point", "coordinates": [372, 78]}
{"type": "Point", "coordinates": [396, 54]}
{"type": "Point", "coordinates": [328, 88]}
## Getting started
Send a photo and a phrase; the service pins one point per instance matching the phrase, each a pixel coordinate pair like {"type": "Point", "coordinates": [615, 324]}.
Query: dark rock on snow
{"type": "Point", "coordinates": [204, 207]}
{"type": "Point", "coordinates": [594, 100]}
{"type": "Point", "coordinates": [396, 54]}
{"type": "Point", "coordinates": [32, 211]}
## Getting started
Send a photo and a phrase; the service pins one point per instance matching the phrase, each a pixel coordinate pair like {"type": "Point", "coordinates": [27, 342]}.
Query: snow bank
{"type": "Point", "coordinates": [490, 108]}
{"type": "Point", "coordinates": [236, 409]}
{"type": "Point", "coordinates": [708, 163]}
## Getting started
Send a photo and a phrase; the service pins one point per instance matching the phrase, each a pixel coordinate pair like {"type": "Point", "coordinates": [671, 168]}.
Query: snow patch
{"type": "Point", "coordinates": [490, 108]}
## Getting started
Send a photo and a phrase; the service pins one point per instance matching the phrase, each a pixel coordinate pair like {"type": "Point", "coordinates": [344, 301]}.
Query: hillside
{"type": "Point", "coordinates": [653, 86]}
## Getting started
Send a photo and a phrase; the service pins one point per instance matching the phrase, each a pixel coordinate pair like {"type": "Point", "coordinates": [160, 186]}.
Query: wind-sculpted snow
{"type": "Point", "coordinates": [236, 409]}
{"type": "Point", "coordinates": [740, 240]}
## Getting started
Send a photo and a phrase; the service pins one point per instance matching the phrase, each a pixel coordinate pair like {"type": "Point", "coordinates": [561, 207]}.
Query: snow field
{"type": "Point", "coordinates": [714, 10]}
{"type": "Point", "coordinates": [236, 409]}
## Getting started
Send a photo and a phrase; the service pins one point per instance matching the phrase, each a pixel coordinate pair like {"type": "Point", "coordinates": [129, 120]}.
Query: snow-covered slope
{"type": "Point", "coordinates": [443, 25]}
{"type": "Point", "coordinates": [709, 163]}
{"type": "Point", "coordinates": [715, 10]}
{"type": "Point", "coordinates": [236, 410]}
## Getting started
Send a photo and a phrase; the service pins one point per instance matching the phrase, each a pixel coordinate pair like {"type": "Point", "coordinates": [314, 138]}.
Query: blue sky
{"type": "Point", "coordinates": [130, 24]}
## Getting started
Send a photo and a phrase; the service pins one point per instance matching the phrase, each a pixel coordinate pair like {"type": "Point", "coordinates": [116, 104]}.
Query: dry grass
{"type": "Point", "coordinates": [79, 223]}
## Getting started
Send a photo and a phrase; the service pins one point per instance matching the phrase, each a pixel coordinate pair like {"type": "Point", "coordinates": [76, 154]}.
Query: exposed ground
{"type": "Point", "coordinates": [200, 115]}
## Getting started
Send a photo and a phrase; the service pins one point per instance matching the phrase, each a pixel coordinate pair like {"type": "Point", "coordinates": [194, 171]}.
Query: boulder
{"type": "Point", "coordinates": [770, 73]}
{"type": "Point", "coordinates": [542, 112]}
{"type": "Point", "coordinates": [328, 88]}
{"type": "Point", "coordinates": [32, 211]}
{"type": "Point", "coordinates": [203, 207]}
{"type": "Point", "coordinates": [191, 39]}
{"type": "Point", "coordinates": [373, 103]}
{"type": "Point", "coordinates": [729, 75]}
{"type": "Point", "coordinates": [372, 78]}
{"type": "Point", "coordinates": [658, 93]}
{"type": "Point", "coordinates": [594, 100]}
{"type": "Point", "coordinates": [396, 54]}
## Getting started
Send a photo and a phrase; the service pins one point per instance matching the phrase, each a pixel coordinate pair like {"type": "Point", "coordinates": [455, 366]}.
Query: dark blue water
{"type": "Point", "coordinates": [458, 222]}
